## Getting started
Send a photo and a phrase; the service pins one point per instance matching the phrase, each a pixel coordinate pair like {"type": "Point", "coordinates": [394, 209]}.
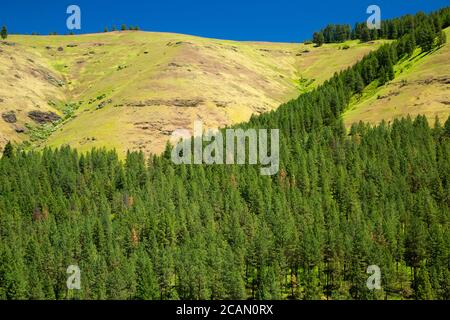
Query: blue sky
{"type": "Point", "coordinates": [279, 20]}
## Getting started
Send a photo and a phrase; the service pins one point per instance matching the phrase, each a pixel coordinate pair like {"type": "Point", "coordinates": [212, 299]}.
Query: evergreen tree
{"type": "Point", "coordinates": [423, 289]}
{"type": "Point", "coordinates": [318, 38]}
{"type": "Point", "coordinates": [442, 38]}
{"type": "Point", "coordinates": [365, 35]}
{"type": "Point", "coordinates": [425, 37]}
{"type": "Point", "coordinates": [8, 151]}
{"type": "Point", "coordinates": [4, 33]}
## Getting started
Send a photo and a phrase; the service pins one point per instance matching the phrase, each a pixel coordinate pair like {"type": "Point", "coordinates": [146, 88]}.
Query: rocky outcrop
{"type": "Point", "coordinates": [20, 129]}
{"type": "Point", "coordinates": [181, 103]}
{"type": "Point", "coordinates": [9, 117]}
{"type": "Point", "coordinates": [47, 76]}
{"type": "Point", "coordinates": [103, 104]}
{"type": "Point", "coordinates": [43, 117]}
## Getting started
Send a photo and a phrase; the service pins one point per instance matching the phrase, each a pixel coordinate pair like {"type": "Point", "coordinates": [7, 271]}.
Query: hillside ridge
{"type": "Point", "coordinates": [129, 90]}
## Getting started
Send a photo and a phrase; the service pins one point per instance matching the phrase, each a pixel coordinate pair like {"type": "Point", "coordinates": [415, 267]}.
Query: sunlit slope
{"type": "Point", "coordinates": [130, 90]}
{"type": "Point", "coordinates": [27, 84]}
{"type": "Point", "coordinates": [421, 86]}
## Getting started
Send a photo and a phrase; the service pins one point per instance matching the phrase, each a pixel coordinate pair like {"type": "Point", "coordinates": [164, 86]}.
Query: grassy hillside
{"type": "Point", "coordinates": [129, 90]}
{"type": "Point", "coordinates": [421, 86]}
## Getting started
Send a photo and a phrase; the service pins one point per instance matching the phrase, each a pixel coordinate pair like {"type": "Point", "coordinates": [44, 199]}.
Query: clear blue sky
{"type": "Point", "coordinates": [277, 20]}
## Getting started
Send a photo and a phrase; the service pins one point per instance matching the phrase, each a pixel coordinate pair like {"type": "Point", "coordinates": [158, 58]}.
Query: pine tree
{"type": "Point", "coordinates": [423, 288]}
{"type": "Point", "coordinates": [8, 152]}
{"type": "Point", "coordinates": [359, 83]}
{"type": "Point", "coordinates": [4, 33]}
{"type": "Point", "coordinates": [147, 285]}
{"type": "Point", "coordinates": [425, 37]}
{"type": "Point", "coordinates": [365, 34]}
{"type": "Point", "coordinates": [442, 39]}
{"type": "Point", "coordinates": [383, 78]}
{"type": "Point", "coordinates": [318, 38]}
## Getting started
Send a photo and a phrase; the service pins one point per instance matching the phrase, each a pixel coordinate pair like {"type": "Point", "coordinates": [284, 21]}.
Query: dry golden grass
{"type": "Point", "coordinates": [134, 88]}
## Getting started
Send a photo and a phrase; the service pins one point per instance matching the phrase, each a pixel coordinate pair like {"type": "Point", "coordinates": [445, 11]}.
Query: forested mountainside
{"type": "Point", "coordinates": [148, 229]}
{"type": "Point", "coordinates": [421, 84]}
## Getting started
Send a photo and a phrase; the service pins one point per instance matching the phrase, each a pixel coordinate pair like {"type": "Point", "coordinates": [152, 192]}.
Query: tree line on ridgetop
{"type": "Point", "coordinates": [421, 29]}
{"type": "Point", "coordinates": [123, 27]}
{"type": "Point", "coordinates": [149, 229]}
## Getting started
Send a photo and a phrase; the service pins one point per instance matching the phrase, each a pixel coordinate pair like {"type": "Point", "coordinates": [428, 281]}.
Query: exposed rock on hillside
{"type": "Point", "coordinates": [9, 117]}
{"type": "Point", "coordinates": [43, 117]}
{"type": "Point", "coordinates": [182, 103]}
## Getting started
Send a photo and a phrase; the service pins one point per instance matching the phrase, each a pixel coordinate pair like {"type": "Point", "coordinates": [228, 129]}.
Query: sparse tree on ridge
{"type": "Point", "coordinates": [4, 33]}
{"type": "Point", "coordinates": [318, 38]}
